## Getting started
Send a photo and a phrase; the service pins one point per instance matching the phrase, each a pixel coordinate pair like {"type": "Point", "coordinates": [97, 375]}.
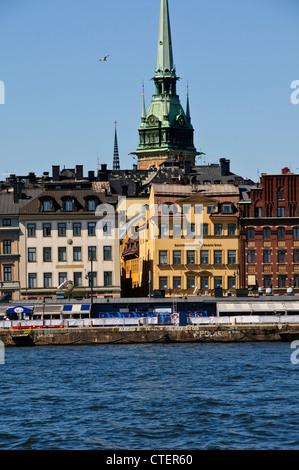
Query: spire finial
{"type": "Point", "coordinates": [165, 55]}
{"type": "Point", "coordinates": [143, 115]}
{"type": "Point", "coordinates": [116, 165]}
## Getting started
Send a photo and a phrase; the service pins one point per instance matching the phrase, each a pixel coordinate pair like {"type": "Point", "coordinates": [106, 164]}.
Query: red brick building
{"type": "Point", "coordinates": [269, 234]}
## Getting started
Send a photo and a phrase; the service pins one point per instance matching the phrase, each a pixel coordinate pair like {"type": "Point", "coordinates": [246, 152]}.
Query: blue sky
{"type": "Point", "coordinates": [239, 57]}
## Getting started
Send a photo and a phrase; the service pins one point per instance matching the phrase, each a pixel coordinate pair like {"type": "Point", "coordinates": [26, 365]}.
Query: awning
{"type": "Point", "coordinates": [77, 308]}
{"type": "Point", "coordinates": [245, 307]}
{"type": "Point", "coordinates": [19, 309]}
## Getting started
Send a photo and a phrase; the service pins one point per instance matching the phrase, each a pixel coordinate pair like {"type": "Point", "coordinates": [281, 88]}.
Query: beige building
{"type": "Point", "coordinates": [190, 243]}
{"type": "Point", "coordinates": [64, 244]}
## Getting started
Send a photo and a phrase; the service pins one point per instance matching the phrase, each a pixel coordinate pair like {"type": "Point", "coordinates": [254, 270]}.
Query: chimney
{"type": "Point", "coordinates": [55, 172]}
{"type": "Point", "coordinates": [285, 170]}
{"type": "Point", "coordinates": [224, 166]}
{"type": "Point", "coordinates": [79, 172]}
{"type": "Point", "coordinates": [91, 176]}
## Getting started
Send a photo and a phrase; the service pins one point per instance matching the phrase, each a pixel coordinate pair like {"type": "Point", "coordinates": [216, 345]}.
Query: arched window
{"type": "Point", "coordinates": [280, 194]}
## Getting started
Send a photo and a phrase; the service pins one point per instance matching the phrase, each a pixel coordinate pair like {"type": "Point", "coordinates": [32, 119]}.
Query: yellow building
{"type": "Point", "coordinates": [189, 243]}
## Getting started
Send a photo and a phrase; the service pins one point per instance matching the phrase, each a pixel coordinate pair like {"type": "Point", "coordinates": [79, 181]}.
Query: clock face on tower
{"type": "Point", "coordinates": [152, 120]}
{"type": "Point", "coordinates": [181, 120]}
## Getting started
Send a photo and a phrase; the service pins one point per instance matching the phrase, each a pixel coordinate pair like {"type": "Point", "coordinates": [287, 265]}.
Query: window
{"type": "Point", "coordinates": [92, 252]}
{"type": "Point", "coordinates": [46, 205]}
{"type": "Point", "coordinates": [280, 233]}
{"type": "Point", "coordinates": [68, 205]}
{"type": "Point", "coordinates": [190, 282]}
{"type": "Point", "coordinates": [250, 256]}
{"type": "Point", "coordinates": [163, 230]}
{"type": "Point", "coordinates": [176, 282]}
{"type": "Point", "coordinates": [190, 257]}
{"type": "Point", "coordinates": [91, 228]}
{"type": "Point", "coordinates": [61, 229]}
{"type": "Point", "coordinates": [31, 255]}
{"type": "Point", "coordinates": [77, 279]}
{"type": "Point", "coordinates": [210, 209]}
{"type": "Point", "coordinates": [6, 247]}
{"type": "Point", "coordinates": [267, 280]}
{"type": "Point", "coordinates": [266, 233]}
{"type": "Point", "coordinates": [32, 280]}
{"type": "Point", "coordinates": [91, 205]}
{"type": "Point", "coordinates": [6, 222]}
{"type": "Point", "coordinates": [218, 229]}
{"type": "Point", "coordinates": [280, 212]}
{"type": "Point", "coordinates": [46, 230]}
{"type": "Point", "coordinates": [61, 278]}
{"type": "Point", "coordinates": [204, 283]}
{"type": "Point", "coordinates": [231, 229]}
{"type": "Point", "coordinates": [250, 233]}
{"type": "Point", "coordinates": [217, 282]}
{"type": "Point", "coordinates": [107, 228]}
{"type": "Point", "coordinates": [76, 229]}
{"type": "Point", "coordinates": [282, 280]}
{"type": "Point", "coordinates": [204, 257]}
{"type": "Point", "coordinates": [163, 257]}
{"type": "Point", "coordinates": [296, 280]}
{"type": "Point", "coordinates": [231, 256]}
{"type": "Point", "coordinates": [92, 279]}
{"type": "Point", "coordinates": [205, 229]}
{"type": "Point", "coordinates": [7, 273]}
{"type": "Point", "coordinates": [46, 254]}
{"type": "Point", "coordinates": [61, 253]}
{"type": "Point", "coordinates": [296, 232]}
{"type": "Point", "coordinates": [280, 194]}
{"type": "Point", "coordinates": [258, 212]}
{"type": "Point", "coordinates": [176, 230]}
{"type": "Point", "coordinates": [163, 282]}
{"type": "Point", "coordinates": [296, 255]}
{"type": "Point", "coordinates": [107, 253]}
{"type": "Point", "coordinates": [47, 280]}
{"type": "Point", "coordinates": [177, 257]}
{"type": "Point", "coordinates": [267, 256]}
{"type": "Point", "coordinates": [217, 257]}
{"type": "Point", "coordinates": [77, 253]}
{"type": "Point", "coordinates": [227, 209]}
{"type": "Point", "coordinates": [231, 282]}
{"type": "Point", "coordinates": [281, 256]}
{"type": "Point", "coordinates": [31, 230]}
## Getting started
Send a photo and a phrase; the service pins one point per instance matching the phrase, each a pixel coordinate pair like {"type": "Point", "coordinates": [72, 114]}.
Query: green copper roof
{"type": "Point", "coordinates": [165, 55]}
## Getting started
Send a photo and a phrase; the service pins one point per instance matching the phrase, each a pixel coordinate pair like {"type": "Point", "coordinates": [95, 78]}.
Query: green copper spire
{"type": "Point", "coordinates": [165, 130]}
{"type": "Point", "coordinates": [165, 55]}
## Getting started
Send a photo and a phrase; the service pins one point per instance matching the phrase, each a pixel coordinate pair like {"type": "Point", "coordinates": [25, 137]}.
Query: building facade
{"type": "Point", "coordinates": [269, 235]}
{"type": "Point", "coordinates": [66, 247]}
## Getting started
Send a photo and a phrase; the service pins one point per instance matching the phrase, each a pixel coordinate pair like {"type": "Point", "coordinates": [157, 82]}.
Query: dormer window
{"type": "Point", "coordinates": [68, 205]}
{"type": "Point", "coordinates": [46, 205]}
{"type": "Point", "coordinates": [227, 209]}
{"type": "Point", "coordinates": [91, 205]}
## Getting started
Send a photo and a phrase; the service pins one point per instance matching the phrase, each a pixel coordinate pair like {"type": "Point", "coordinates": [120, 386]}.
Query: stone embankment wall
{"type": "Point", "coordinates": [131, 335]}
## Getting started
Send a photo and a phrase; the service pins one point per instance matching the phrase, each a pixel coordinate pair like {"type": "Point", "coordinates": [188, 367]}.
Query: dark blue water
{"type": "Point", "coordinates": [175, 397]}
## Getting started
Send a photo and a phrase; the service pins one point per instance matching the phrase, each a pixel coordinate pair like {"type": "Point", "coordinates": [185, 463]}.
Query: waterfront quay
{"type": "Point", "coordinates": [221, 333]}
{"type": "Point", "coordinates": [129, 321]}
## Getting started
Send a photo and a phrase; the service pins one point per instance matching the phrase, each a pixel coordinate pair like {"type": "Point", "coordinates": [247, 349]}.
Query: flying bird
{"type": "Point", "coordinates": [104, 59]}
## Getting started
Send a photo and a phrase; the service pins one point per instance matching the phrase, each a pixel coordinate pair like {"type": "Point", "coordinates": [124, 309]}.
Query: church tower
{"type": "Point", "coordinates": [165, 130]}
